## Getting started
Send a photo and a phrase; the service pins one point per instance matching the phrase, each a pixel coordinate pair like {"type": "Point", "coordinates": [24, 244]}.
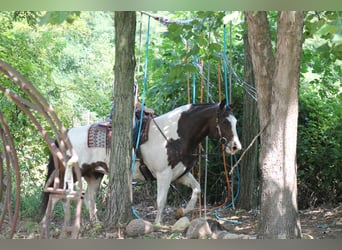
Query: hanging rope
{"type": "Point", "coordinates": [225, 64]}
{"type": "Point", "coordinates": [230, 98]}
{"type": "Point", "coordinates": [206, 139]}
{"type": "Point", "coordinates": [194, 82]}
{"type": "Point", "coordinates": [188, 78]}
{"type": "Point", "coordinates": [135, 213]}
{"type": "Point", "coordinates": [230, 192]}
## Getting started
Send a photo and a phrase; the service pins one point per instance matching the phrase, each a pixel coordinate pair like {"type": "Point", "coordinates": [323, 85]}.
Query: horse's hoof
{"type": "Point", "coordinates": [179, 213]}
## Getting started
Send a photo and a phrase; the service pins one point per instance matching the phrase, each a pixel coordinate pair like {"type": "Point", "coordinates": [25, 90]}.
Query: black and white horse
{"type": "Point", "coordinates": [169, 152]}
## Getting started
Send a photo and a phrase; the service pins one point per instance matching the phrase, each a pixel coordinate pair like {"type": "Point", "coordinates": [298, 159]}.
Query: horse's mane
{"type": "Point", "coordinates": [200, 107]}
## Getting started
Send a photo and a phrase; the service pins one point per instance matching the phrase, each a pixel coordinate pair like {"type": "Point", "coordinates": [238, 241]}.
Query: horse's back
{"type": "Point", "coordinates": [168, 122]}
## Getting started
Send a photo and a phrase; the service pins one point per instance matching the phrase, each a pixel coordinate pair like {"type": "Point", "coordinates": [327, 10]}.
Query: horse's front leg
{"type": "Point", "coordinates": [90, 196]}
{"type": "Point", "coordinates": [190, 181]}
{"type": "Point", "coordinates": [163, 185]}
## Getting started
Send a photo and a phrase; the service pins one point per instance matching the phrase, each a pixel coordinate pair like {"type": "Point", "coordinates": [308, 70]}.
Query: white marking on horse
{"type": "Point", "coordinates": [235, 144]}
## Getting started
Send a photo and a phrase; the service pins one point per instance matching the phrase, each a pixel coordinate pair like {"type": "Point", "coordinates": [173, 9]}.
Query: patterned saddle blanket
{"type": "Point", "coordinates": [100, 135]}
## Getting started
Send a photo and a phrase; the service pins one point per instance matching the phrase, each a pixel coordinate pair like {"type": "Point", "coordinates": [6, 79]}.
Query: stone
{"type": "Point", "coordinates": [198, 229]}
{"type": "Point", "coordinates": [181, 225]}
{"type": "Point", "coordinates": [230, 236]}
{"type": "Point", "coordinates": [138, 227]}
{"type": "Point", "coordinates": [215, 226]}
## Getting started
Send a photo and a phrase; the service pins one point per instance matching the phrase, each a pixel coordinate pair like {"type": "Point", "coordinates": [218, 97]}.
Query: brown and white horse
{"type": "Point", "coordinates": [169, 152]}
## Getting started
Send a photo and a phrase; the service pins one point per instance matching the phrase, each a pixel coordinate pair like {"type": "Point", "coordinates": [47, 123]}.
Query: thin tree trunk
{"type": "Point", "coordinates": [118, 212]}
{"type": "Point", "coordinates": [250, 128]}
{"type": "Point", "coordinates": [279, 106]}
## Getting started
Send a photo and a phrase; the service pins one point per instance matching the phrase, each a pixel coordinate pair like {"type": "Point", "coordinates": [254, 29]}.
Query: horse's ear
{"type": "Point", "coordinates": [232, 105]}
{"type": "Point", "coordinates": [223, 104]}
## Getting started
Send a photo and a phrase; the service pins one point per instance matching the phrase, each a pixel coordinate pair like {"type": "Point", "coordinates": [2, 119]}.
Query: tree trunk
{"type": "Point", "coordinates": [250, 128]}
{"type": "Point", "coordinates": [277, 81]}
{"type": "Point", "coordinates": [118, 212]}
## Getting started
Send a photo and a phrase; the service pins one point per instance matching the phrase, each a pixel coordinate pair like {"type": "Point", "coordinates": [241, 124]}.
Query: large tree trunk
{"type": "Point", "coordinates": [277, 81]}
{"type": "Point", "coordinates": [250, 128]}
{"type": "Point", "coordinates": [119, 203]}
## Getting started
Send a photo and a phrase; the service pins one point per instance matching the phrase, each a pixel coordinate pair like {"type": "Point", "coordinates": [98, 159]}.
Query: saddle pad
{"type": "Point", "coordinates": [99, 135]}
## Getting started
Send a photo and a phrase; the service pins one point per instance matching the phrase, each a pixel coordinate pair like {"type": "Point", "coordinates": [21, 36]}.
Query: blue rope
{"type": "Point", "coordinates": [194, 83]}
{"type": "Point", "coordinates": [143, 96]}
{"type": "Point", "coordinates": [233, 200]}
{"type": "Point", "coordinates": [135, 213]}
{"type": "Point", "coordinates": [225, 71]}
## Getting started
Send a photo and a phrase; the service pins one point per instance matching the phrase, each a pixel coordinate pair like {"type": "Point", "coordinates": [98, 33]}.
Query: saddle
{"type": "Point", "coordinates": [144, 127]}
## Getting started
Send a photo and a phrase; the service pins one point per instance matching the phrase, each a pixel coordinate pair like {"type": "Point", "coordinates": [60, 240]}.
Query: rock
{"type": "Point", "coordinates": [230, 236]}
{"type": "Point", "coordinates": [215, 226]}
{"type": "Point", "coordinates": [338, 223]}
{"type": "Point", "coordinates": [181, 225]}
{"type": "Point", "coordinates": [138, 227]}
{"type": "Point", "coordinates": [198, 229]}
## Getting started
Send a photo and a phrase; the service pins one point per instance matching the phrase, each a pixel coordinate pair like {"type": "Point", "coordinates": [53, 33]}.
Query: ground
{"type": "Point", "coordinates": [317, 223]}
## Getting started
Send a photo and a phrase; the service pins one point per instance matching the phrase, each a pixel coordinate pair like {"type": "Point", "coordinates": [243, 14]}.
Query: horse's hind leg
{"type": "Point", "coordinates": [93, 182]}
{"type": "Point", "coordinates": [190, 181]}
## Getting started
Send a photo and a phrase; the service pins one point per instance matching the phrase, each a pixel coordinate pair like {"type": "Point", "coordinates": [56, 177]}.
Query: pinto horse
{"type": "Point", "coordinates": [169, 152]}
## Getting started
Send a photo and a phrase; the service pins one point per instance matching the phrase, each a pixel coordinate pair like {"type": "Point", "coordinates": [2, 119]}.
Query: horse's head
{"type": "Point", "coordinates": [226, 128]}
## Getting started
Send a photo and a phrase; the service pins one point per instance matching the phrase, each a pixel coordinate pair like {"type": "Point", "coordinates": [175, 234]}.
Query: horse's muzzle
{"type": "Point", "coordinates": [233, 147]}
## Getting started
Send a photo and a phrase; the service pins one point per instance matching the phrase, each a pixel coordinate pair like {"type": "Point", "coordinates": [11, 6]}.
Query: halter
{"type": "Point", "coordinates": [223, 140]}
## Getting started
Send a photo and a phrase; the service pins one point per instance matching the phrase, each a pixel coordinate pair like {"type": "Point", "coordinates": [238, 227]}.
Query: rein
{"type": "Point", "coordinates": [161, 132]}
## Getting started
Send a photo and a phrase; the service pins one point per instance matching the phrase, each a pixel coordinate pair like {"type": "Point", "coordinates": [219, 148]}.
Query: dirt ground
{"type": "Point", "coordinates": [317, 223]}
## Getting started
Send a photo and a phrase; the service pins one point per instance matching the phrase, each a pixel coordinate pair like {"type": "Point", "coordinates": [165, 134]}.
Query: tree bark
{"type": "Point", "coordinates": [248, 197]}
{"type": "Point", "coordinates": [277, 81]}
{"type": "Point", "coordinates": [118, 212]}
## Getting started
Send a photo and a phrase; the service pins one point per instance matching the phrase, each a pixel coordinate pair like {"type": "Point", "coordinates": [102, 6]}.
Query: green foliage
{"type": "Point", "coordinates": [71, 64]}
{"type": "Point", "coordinates": [326, 26]}
{"type": "Point", "coordinates": [69, 57]}
{"type": "Point", "coordinates": [319, 130]}
{"type": "Point", "coordinates": [58, 17]}
{"type": "Point", "coordinates": [175, 58]}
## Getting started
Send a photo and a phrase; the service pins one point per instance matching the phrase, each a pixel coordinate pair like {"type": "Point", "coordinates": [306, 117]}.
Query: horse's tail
{"type": "Point", "coordinates": [45, 195]}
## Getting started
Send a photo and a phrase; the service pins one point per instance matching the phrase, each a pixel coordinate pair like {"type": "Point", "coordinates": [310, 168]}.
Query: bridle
{"type": "Point", "coordinates": [222, 140]}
